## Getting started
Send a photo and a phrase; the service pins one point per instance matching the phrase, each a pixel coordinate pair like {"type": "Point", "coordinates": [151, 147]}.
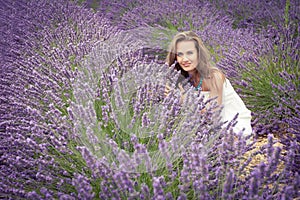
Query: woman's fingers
{"type": "Point", "coordinates": [203, 111]}
{"type": "Point", "coordinates": [181, 88]}
{"type": "Point", "coordinates": [167, 89]}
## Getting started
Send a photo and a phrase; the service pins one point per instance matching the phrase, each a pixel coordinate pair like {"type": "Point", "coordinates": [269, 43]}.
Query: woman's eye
{"type": "Point", "coordinates": [180, 54]}
{"type": "Point", "coordinates": [189, 52]}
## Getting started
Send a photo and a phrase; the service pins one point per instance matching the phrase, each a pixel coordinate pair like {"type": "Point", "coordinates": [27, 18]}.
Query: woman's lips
{"type": "Point", "coordinates": [186, 65]}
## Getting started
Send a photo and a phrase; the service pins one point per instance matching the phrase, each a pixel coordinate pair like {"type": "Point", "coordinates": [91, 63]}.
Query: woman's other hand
{"type": "Point", "coordinates": [167, 89]}
{"type": "Point", "coordinates": [182, 93]}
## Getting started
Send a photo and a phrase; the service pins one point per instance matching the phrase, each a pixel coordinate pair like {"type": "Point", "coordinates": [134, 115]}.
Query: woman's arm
{"type": "Point", "coordinates": [182, 92]}
{"type": "Point", "coordinates": [217, 82]}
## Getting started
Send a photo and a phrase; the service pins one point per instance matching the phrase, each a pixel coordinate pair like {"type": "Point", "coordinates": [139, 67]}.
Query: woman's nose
{"type": "Point", "coordinates": [184, 58]}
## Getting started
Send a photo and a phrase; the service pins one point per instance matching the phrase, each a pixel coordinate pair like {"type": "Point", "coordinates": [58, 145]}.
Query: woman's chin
{"type": "Point", "coordinates": [189, 69]}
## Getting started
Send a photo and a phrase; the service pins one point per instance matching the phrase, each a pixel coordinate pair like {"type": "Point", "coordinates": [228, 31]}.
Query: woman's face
{"type": "Point", "coordinates": [187, 55]}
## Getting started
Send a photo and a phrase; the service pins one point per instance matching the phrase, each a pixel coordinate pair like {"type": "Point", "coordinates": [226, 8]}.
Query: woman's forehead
{"type": "Point", "coordinates": [185, 46]}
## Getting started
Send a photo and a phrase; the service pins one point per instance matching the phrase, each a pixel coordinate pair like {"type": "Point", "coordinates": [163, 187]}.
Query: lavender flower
{"type": "Point", "coordinates": [83, 187]}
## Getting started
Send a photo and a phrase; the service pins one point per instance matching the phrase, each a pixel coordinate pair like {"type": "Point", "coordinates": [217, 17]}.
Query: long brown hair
{"type": "Point", "coordinates": [205, 67]}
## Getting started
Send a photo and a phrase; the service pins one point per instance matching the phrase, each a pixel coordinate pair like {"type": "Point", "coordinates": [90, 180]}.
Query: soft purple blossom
{"type": "Point", "coordinates": [83, 187]}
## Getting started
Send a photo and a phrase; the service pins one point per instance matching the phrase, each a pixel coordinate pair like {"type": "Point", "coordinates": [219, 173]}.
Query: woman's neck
{"type": "Point", "coordinates": [194, 77]}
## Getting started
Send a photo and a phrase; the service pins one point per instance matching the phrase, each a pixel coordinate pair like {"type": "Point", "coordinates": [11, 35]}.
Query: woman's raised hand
{"type": "Point", "coordinates": [167, 89]}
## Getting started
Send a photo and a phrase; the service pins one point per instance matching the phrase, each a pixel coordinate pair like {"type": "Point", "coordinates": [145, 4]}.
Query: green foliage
{"type": "Point", "coordinates": [264, 80]}
{"type": "Point", "coordinates": [286, 12]}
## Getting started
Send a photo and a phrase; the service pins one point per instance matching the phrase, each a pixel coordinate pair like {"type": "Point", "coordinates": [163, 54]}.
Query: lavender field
{"type": "Point", "coordinates": [83, 113]}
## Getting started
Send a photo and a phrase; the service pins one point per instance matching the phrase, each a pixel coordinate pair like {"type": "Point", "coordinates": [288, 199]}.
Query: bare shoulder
{"type": "Point", "coordinates": [218, 77]}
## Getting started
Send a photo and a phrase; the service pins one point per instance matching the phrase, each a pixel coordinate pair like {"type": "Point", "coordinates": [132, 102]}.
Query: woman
{"type": "Point", "coordinates": [191, 57]}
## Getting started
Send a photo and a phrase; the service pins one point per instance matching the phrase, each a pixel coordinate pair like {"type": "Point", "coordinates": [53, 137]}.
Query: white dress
{"type": "Point", "coordinates": [233, 104]}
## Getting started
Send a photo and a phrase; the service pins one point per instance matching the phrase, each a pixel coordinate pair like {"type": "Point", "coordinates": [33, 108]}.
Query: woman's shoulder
{"type": "Point", "coordinates": [217, 76]}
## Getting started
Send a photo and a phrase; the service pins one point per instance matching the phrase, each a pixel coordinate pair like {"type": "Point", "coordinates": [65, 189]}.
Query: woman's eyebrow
{"type": "Point", "coordinates": [185, 51]}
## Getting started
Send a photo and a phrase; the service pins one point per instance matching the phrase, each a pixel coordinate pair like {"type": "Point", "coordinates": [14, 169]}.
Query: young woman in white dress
{"type": "Point", "coordinates": [192, 58]}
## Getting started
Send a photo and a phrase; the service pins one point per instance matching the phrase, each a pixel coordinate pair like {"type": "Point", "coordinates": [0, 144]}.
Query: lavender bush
{"type": "Point", "coordinates": [279, 76]}
{"type": "Point", "coordinates": [260, 14]}
{"type": "Point", "coordinates": [129, 165]}
{"type": "Point", "coordinates": [83, 115]}
{"type": "Point", "coordinates": [43, 44]}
